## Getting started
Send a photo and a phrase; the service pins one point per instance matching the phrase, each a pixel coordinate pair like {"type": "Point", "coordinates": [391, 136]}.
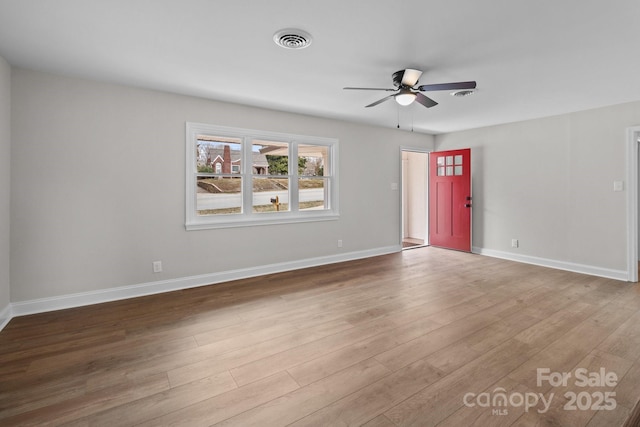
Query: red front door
{"type": "Point", "coordinates": [450, 199]}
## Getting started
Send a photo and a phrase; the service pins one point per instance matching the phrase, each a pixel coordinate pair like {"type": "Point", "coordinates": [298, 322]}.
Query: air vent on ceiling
{"type": "Point", "coordinates": [291, 38]}
{"type": "Point", "coordinates": [464, 92]}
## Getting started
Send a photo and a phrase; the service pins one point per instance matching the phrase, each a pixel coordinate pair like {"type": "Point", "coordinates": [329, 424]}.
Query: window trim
{"type": "Point", "coordinates": [247, 217]}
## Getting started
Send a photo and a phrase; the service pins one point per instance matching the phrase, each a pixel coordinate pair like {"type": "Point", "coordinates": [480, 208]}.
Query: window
{"type": "Point", "coordinates": [449, 165]}
{"type": "Point", "coordinates": [241, 177]}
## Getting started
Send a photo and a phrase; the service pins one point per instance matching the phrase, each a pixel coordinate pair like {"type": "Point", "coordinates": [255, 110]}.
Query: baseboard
{"type": "Point", "coordinates": [551, 263]}
{"type": "Point", "coordinates": [5, 316]}
{"type": "Point", "coordinates": [42, 305]}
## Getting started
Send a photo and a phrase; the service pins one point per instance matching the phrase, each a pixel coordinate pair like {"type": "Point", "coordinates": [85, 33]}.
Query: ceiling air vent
{"type": "Point", "coordinates": [464, 92]}
{"type": "Point", "coordinates": [291, 38]}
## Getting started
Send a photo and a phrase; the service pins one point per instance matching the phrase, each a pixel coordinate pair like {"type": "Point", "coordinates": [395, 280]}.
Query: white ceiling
{"type": "Point", "coordinates": [531, 58]}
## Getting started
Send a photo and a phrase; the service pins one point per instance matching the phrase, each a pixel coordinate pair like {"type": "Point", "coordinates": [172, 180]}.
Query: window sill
{"type": "Point", "coordinates": [268, 219]}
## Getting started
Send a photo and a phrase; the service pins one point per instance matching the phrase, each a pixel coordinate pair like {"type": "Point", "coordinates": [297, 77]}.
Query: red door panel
{"type": "Point", "coordinates": [450, 199]}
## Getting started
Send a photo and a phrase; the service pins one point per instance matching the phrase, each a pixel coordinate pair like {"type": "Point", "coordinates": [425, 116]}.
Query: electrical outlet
{"type": "Point", "coordinates": [514, 243]}
{"type": "Point", "coordinates": [157, 266]}
{"type": "Point", "coordinates": [340, 243]}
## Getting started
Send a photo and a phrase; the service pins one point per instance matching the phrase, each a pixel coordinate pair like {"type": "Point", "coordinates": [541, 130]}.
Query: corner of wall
{"type": "Point", "coordinates": [5, 191]}
{"type": "Point", "coordinates": [5, 316]}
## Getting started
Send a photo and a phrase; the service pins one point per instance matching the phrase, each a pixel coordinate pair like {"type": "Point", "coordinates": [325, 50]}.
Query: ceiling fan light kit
{"type": "Point", "coordinates": [405, 97]}
{"type": "Point", "coordinates": [405, 82]}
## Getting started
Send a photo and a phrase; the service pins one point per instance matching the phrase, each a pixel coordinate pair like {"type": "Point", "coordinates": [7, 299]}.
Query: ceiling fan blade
{"type": "Point", "coordinates": [368, 88]}
{"type": "Point", "coordinates": [448, 86]}
{"type": "Point", "coordinates": [380, 101]}
{"type": "Point", "coordinates": [425, 100]}
{"type": "Point", "coordinates": [410, 77]}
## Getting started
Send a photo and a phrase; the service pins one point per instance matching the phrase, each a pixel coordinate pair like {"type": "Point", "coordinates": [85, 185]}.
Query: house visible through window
{"type": "Point", "coordinates": [241, 177]}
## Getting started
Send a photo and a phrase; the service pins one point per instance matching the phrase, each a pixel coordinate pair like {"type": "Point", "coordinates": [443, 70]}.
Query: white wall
{"type": "Point", "coordinates": [549, 183]}
{"type": "Point", "coordinates": [98, 188]}
{"type": "Point", "coordinates": [5, 187]}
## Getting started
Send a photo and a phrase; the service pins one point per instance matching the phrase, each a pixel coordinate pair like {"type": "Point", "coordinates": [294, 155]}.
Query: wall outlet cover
{"type": "Point", "coordinates": [157, 266]}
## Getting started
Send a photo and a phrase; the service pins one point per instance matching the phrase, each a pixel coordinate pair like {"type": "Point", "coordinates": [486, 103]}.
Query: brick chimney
{"type": "Point", "coordinates": [226, 158]}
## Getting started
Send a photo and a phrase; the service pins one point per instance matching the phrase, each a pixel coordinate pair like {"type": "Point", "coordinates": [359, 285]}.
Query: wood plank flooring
{"type": "Point", "coordinates": [396, 340]}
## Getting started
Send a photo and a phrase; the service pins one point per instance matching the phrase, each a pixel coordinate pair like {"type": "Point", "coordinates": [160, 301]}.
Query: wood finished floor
{"type": "Point", "coordinates": [391, 340]}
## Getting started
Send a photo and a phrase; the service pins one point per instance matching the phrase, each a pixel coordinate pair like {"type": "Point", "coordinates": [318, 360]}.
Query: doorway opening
{"type": "Point", "coordinates": [415, 198]}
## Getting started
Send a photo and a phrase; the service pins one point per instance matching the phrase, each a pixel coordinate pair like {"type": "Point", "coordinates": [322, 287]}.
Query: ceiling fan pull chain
{"type": "Point", "coordinates": [412, 116]}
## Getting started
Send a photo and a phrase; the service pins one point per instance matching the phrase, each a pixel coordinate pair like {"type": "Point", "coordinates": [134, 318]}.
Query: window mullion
{"type": "Point", "coordinates": [294, 194]}
{"type": "Point", "coordinates": [246, 171]}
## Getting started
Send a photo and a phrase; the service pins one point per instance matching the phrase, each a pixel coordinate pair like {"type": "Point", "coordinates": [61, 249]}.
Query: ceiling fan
{"type": "Point", "coordinates": [405, 82]}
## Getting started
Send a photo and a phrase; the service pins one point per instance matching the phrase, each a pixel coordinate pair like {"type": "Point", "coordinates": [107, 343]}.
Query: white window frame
{"type": "Point", "coordinates": [194, 221]}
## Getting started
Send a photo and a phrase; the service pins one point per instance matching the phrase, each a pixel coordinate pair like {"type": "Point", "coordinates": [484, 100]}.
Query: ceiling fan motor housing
{"type": "Point", "coordinates": [397, 78]}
